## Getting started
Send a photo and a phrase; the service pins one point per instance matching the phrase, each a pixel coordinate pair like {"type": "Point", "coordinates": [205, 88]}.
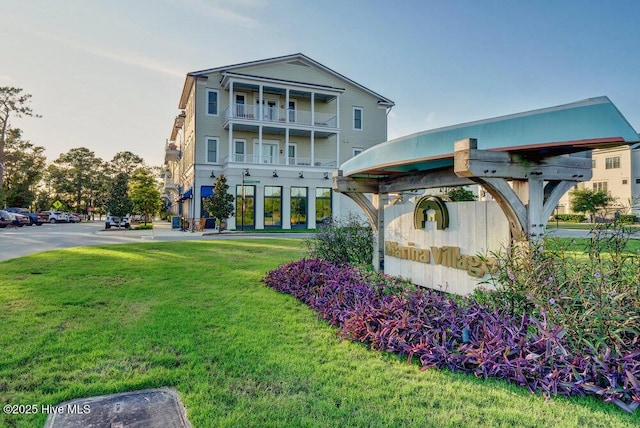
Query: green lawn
{"type": "Point", "coordinates": [194, 316]}
{"type": "Point", "coordinates": [552, 224]}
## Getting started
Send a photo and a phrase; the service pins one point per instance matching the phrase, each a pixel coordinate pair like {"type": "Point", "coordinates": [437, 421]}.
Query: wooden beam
{"type": "Point", "coordinates": [367, 207]}
{"type": "Point", "coordinates": [483, 163]}
{"type": "Point", "coordinates": [422, 180]}
{"type": "Point", "coordinates": [512, 206]}
{"type": "Point", "coordinates": [354, 185]}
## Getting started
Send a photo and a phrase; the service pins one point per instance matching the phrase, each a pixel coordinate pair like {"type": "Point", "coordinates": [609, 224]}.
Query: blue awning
{"type": "Point", "coordinates": [187, 194]}
{"type": "Point", "coordinates": [206, 191]}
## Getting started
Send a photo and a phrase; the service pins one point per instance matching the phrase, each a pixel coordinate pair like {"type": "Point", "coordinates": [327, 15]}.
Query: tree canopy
{"type": "Point", "coordinates": [118, 202]}
{"type": "Point", "coordinates": [12, 101]}
{"type": "Point", "coordinates": [144, 193]}
{"type": "Point", "coordinates": [589, 201]}
{"type": "Point", "coordinates": [220, 204]}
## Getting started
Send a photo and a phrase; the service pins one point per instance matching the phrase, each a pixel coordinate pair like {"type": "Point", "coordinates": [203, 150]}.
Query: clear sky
{"type": "Point", "coordinates": [107, 74]}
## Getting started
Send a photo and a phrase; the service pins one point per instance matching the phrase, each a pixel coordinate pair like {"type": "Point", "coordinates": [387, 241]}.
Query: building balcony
{"type": "Point", "coordinates": [171, 152]}
{"type": "Point", "coordinates": [273, 116]}
{"type": "Point", "coordinates": [281, 160]}
{"type": "Point", "coordinates": [169, 185]}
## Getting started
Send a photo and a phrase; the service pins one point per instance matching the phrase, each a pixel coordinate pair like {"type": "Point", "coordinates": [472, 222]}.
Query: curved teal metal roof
{"type": "Point", "coordinates": [579, 126]}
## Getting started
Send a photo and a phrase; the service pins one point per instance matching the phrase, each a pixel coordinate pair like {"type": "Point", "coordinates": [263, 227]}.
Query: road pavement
{"type": "Point", "coordinates": [22, 241]}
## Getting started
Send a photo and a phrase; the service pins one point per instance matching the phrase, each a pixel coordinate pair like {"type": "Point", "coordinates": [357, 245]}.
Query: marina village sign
{"type": "Point", "coordinates": [527, 162]}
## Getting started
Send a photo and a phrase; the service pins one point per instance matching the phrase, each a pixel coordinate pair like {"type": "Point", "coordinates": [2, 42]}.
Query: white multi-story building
{"type": "Point", "coordinates": [616, 170]}
{"type": "Point", "coordinates": [277, 129]}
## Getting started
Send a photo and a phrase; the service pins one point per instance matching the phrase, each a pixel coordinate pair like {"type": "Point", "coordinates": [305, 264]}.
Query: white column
{"type": "Point", "coordinates": [311, 208]}
{"type": "Point", "coordinates": [286, 207]}
{"type": "Point", "coordinates": [232, 109]}
{"type": "Point", "coordinates": [231, 157]}
{"type": "Point", "coordinates": [286, 105]}
{"type": "Point", "coordinates": [337, 150]}
{"type": "Point", "coordinates": [259, 144]}
{"type": "Point", "coordinates": [313, 155]}
{"type": "Point", "coordinates": [260, 101]}
{"type": "Point", "coordinates": [338, 134]}
{"type": "Point", "coordinates": [258, 207]}
{"type": "Point", "coordinates": [313, 109]}
{"type": "Point", "coordinates": [286, 145]}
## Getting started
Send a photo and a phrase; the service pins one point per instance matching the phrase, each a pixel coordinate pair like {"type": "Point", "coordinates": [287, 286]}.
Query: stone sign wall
{"type": "Point", "coordinates": [455, 259]}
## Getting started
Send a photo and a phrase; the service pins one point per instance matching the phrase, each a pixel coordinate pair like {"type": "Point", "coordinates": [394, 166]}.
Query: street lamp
{"type": "Point", "coordinates": [242, 196]}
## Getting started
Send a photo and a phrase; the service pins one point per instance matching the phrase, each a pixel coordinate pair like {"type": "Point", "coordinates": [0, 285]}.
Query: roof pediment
{"type": "Point", "coordinates": [297, 59]}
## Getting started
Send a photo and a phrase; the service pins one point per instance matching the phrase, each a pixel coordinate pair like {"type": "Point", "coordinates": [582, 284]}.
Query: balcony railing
{"type": "Point", "coordinates": [281, 160]}
{"type": "Point", "coordinates": [278, 115]}
{"type": "Point", "coordinates": [171, 152]}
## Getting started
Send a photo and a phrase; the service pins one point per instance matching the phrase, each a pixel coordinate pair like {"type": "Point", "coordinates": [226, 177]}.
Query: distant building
{"type": "Point", "coordinates": [277, 129]}
{"type": "Point", "coordinates": [616, 171]}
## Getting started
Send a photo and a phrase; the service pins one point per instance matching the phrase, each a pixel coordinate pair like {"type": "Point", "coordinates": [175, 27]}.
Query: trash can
{"type": "Point", "coordinates": [210, 223]}
{"type": "Point", "coordinates": [175, 222]}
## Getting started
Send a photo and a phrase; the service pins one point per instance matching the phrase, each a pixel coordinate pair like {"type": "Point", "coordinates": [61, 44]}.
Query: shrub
{"type": "Point", "coordinates": [469, 337]}
{"type": "Point", "coordinates": [628, 218]}
{"type": "Point", "coordinates": [573, 218]}
{"type": "Point", "coordinates": [343, 240]}
{"type": "Point", "coordinates": [593, 294]}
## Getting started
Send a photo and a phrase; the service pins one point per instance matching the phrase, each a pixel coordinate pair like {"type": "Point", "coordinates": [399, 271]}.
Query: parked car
{"type": "Point", "coordinates": [56, 216]}
{"type": "Point", "coordinates": [33, 218]}
{"type": "Point", "coordinates": [19, 219]}
{"type": "Point", "coordinates": [74, 218]}
{"type": "Point", "coordinates": [116, 221]}
{"type": "Point", "coordinates": [5, 219]}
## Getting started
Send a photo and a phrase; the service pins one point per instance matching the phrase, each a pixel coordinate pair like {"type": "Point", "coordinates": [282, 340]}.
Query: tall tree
{"type": "Point", "coordinates": [23, 168]}
{"type": "Point", "coordinates": [118, 202]}
{"type": "Point", "coordinates": [220, 204]}
{"type": "Point", "coordinates": [144, 193]}
{"type": "Point", "coordinates": [74, 179]}
{"type": "Point", "coordinates": [125, 162]}
{"type": "Point", "coordinates": [12, 101]}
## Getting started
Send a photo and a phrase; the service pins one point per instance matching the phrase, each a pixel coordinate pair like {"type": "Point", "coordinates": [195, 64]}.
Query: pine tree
{"type": "Point", "coordinates": [220, 204]}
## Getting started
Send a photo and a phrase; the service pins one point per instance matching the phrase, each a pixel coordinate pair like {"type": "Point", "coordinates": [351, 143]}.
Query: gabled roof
{"type": "Point", "coordinates": [579, 126]}
{"type": "Point", "coordinates": [190, 79]}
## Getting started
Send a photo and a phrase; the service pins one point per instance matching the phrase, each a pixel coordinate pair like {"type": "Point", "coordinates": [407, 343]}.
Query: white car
{"type": "Point", "coordinates": [56, 216]}
{"type": "Point", "coordinates": [116, 221]}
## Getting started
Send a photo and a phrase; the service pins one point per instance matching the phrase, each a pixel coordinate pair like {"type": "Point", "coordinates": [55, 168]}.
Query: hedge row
{"type": "Point", "coordinates": [470, 338]}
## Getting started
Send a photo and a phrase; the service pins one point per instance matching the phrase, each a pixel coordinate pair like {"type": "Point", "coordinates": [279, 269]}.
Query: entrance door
{"type": "Point", "coordinates": [269, 150]}
{"type": "Point", "coordinates": [269, 110]}
{"type": "Point", "coordinates": [240, 106]}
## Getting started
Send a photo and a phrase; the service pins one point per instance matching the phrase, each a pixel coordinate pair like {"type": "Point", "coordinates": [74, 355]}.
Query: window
{"type": "Point", "coordinates": [212, 150]}
{"type": "Point", "coordinates": [625, 181]}
{"type": "Point", "coordinates": [593, 163]}
{"type": "Point", "coordinates": [323, 204]}
{"type": "Point", "coordinates": [357, 118]}
{"type": "Point", "coordinates": [272, 206]}
{"type": "Point", "coordinates": [292, 111]}
{"type": "Point", "coordinates": [292, 153]}
{"type": "Point", "coordinates": [298, 207]}
{"type": "Point", "coordinates": [357, 151]}
{"type": "Point", "coordinates": [212, 102]}
{"type": "Point", "coordinates": [239, 150]}
{"type": "Point", "coordinates": [241, 110]}
{"type": "Point", "coordinates": [600, 186]}
{"type": "Point", "coordinates": [245, 207]}
{"type": "Point", "coordinates": [611, 163]}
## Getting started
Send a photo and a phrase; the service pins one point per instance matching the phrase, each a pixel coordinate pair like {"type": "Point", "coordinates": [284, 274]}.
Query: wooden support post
{"type": "Point", "coordinates": [527, 202]}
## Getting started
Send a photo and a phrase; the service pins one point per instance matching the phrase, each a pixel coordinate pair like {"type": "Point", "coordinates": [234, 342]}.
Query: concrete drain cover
{"type": "Point", "coordinates": [151, 408]}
